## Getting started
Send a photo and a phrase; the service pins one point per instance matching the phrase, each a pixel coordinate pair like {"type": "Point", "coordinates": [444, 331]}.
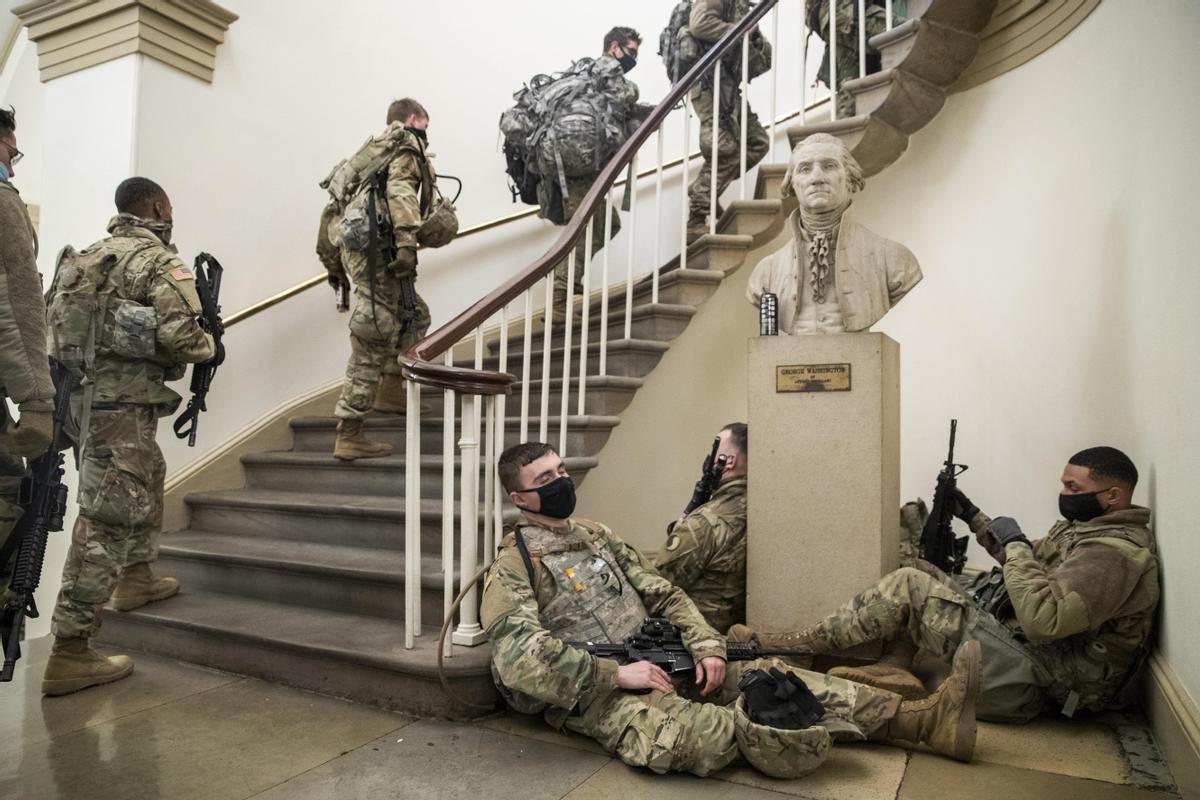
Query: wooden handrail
{"type": "Point", "coordinates": [418, 362]}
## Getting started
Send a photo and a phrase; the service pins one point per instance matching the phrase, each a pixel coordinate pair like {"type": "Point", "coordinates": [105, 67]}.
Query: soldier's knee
{"type": "Point", "coordinates": [673, 734]}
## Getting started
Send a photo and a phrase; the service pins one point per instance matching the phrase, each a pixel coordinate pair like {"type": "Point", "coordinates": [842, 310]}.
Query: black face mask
{"type": "Point", "coordinates": [419, 133]}
{"type": "Point", "coordinates": [1080, 507]}
{"type": "Point", "coordinates": [558, 498]}
{"type": "Point", "coordinates": [627, 62]}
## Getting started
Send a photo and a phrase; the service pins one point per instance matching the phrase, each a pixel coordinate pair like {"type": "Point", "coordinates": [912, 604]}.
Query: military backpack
{"type": "Point", "coordinates": [680, 50]}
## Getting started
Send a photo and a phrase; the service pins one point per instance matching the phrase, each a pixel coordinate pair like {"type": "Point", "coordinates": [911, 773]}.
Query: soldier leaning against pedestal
{"type": "Point", "coordinates": [1064, 623]}
{"type": "Point", "coordinates": [558, 580]}
{"type": "Point", "coordinates": [705, 553]}
{"type": "Point", "coordinates": [24, 368]}
{"type": "Point", "coordinates": [144, 332]}
{"type": "Point", "coordinates": [390, 178]}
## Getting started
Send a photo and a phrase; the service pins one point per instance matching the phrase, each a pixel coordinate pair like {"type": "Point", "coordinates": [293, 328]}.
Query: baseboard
{"type": "Point", "coordinates": [222, 468]}
{"type": "Point", "coordinates": [1175, 720]}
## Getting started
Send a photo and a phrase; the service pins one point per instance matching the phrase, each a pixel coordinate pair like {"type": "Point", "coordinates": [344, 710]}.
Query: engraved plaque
{"type": "Point", "coordinates": [812, 378]}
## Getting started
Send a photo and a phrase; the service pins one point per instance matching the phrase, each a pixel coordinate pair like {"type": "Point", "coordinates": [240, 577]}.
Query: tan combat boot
{"type": "Point", "coordinates": [352, 443]}
{"type": "Point", "coordinates": [392, 395]}
{"type": "Point", "coordinates": [138, 586]}
{"type": "Point", "coordinates": [74, 666]}
{"type": "Point", "coordinates": [892, 672]}
{"type": "Point", "coordinates": [945, 720]}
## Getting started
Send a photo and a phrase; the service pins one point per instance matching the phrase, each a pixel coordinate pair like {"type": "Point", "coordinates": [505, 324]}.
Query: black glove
{"type": "Point", "coordinates": [964, 509]}
{"type": "Point", "coordinates": [336, 279]}
{"type": "Point", "coordinates": [1005, 530]}
{"type": "Point", "coordinates": [405, 262]}
{"type": "Point", "coordinates": [779, 699]}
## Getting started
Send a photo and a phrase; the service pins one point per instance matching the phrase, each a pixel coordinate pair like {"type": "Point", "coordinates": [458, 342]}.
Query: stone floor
{"type": "Point", "coordinates": [177, 731]}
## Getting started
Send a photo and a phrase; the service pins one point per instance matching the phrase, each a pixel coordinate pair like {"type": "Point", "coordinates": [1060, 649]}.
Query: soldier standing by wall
{"type": "Point", "coordinates": [24, 368]}
{"type": "Point", "coordinates": [143, 331]}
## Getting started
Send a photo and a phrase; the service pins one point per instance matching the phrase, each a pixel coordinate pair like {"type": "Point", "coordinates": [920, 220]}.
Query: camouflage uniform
{"type": "Point", "coordinates": [847, 41]}
{"type": "Point", "coordinates": [24, 369]}
{"type": "Point", "coordinates": [591, 585]}
{"type": "Point", "coordinates": [711, 20]}
{"type": "Point", "coordinates": [623, 95]}
{"type": "Point", "coordinates": [705, 555]}
{"type": "Point", "coordinates": [380, 328]}
{"type": "Point", "coordinates": [122, 469]}
{"type": "Point", "coordinates": [1082, 608]}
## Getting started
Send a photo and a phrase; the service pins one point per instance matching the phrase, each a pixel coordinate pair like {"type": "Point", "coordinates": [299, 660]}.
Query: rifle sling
{"type": "Point", "coordinates": [523, 549]}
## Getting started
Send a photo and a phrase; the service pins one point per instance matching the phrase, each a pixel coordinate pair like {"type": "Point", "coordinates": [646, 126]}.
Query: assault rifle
{"type": "Point", "coordinates": [938, 543]}
{"type": "Point", "coordinates": [44, 498]}
{"type": "Point", "coordinates": [710, 476]}
{"type": "Point", "coordinates": [660, 642]}
{"type": "Point", "coordinates": [208, 287]}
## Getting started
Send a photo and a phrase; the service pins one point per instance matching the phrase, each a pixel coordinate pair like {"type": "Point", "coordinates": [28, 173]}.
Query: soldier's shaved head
{"type": "Point", "coordinates": [516, 457]}
{"type": "Point", "coordinates": [137, 196]}
{"type": "Point", "coordinates": [400, 110]}
{"type": "Point", "coordinates": [621, 36]}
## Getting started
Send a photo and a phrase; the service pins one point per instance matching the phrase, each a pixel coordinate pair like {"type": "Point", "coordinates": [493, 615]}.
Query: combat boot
{"type": "Point", "coordinates": [392, 395]}
{"type": "Point", "coordinates": [138, 586]}
{"type": "Point", "coordinates": [352, 443]}
{"type": "Point", "coordinates": [892, 673]}
{"type": "Point", "coordinates": [74, 666]}
{"type": "Point", "coordinates": [945, 720]}
{"type": "Point", "coordinates": [697, 224]}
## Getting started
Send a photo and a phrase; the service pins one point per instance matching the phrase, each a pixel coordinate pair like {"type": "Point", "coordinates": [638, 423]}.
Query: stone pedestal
{"type": "Point", "coordinates": [824, 492]}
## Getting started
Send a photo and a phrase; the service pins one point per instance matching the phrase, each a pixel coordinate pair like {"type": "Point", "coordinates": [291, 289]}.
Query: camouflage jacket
{"type": "Point", "coordinates": [705, 555]}
{"type": "Point", "coordinates": [1085, 597]}
{"type": "Point", "coordinates": [404, 193]}
{"type": "Point", "coordinates": [530, 659]}
{"type": "Point", "coordinates": [622, 93]}
{"type": "Point", "coordinates": [24, 370]}
{"type": "Point", "coordinates": [146, 276]}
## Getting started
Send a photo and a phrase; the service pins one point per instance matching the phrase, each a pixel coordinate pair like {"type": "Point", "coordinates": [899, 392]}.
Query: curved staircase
{"type": "Point", "coordinates": [299, 576]}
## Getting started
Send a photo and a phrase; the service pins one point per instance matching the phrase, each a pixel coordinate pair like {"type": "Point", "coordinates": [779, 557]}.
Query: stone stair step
{"type": "Point", "coordinates": [770, 180]}
{"type": "Point", "coordinates": [874, 143]}
{"type": "Point", "coordinates": [927, 50]}
{"type": "Point", "coordinates": [721, 252]}
{"type": "Point", "coordinates": [626, 357]}
{"type": "Point", "coordinates": [903, 101]}
{"type": "Point", "coordinates": [660, 322]}
{"type": "Point", "coordinates": [336, 577]}
{"type": "Point", "coordinates": [968, 17]}
{"type": "Point", "coordinates": [353, 656]}
{"type": "Point", "coordinates": [759, 218]}
{"type": "Point", "coordinates": [605, 395]}
{"type": "Point", "coordinates": [585, 434]}
{"type": "Point", "coordinates": [319, 472]}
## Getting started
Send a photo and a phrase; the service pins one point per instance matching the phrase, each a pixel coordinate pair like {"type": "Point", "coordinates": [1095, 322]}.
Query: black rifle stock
{"type": "Point", "coordinates": [660, 642]}
{"type": "Point", "coordinates": [939, 546]}
{"type": "Point", "coordinates": [208, 286]}
{"type": "Point", "coordinates": [710, 476]}
{"type": "Point", "coordinates": [44, 498]}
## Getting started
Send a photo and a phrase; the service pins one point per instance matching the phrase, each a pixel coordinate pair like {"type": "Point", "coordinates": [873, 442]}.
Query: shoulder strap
{"type": "Point", "coordinates": [523, 549]}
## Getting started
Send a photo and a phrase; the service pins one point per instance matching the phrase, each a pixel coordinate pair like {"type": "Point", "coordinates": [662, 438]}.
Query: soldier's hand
{"type": "Point", "coordinates": [1005, 530]}
{"type": "Point", "coordinates": [336, 280]}
{"type": "Point", "coordinates": [643, 675]}
{"type": "Point", "coordinates": [964, 509]}
{"type": "Point", "coordinates": [405, 262]}
{"type": "Point", "coordinates": [710, 673]}
{"type": "Point", "coordinates": [33, 434]}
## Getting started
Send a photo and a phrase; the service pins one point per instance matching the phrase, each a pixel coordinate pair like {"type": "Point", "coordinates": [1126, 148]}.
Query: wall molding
{"type": "Point", "coordinates": [1175, 720]}
{"type": "Point", "coordinates": [1019, 31]}
{"type": "Point", "coordinates": [72, 35]}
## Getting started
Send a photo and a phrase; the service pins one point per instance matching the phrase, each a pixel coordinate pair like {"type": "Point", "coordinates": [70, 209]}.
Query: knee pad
{"type": "Point", "coordinates": [776, 752]}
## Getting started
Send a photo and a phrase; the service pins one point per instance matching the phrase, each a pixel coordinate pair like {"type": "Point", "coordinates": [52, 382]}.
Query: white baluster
{"type": "Point", "coordinates": [412, 515]}
{"type": "Point", "coordinates": [833, 109]}
{"type": "Point", "coordinates": [566, 373]}
{"type": "Point", "coordinates": [716, 137]}
{"type": "Point", "coordinates": [633, 193]}
{"type": "Point", "coordinates": [588, 258]}
{"type": "Point", "coordinates": [658, 190]}
{"type": "Point", "coordinates": [544, 425]}
{"type": "Point", "coordinates": [469, 631]}
{"type": "Point", "coordinates": [888, 14]}
{"type": "Point", "coordinates": [862, 38]}
{"type": "Point", "coordinates": [805, 33]}
{"type": "Point", "coordinates": [745, 110]}
{"type": "Point", "coordinates": [686, 205]}
{"type": "Point", "coordinates": [608, 215]}
{"type": "Point", "coordinates": [489, 470]}
{"type": "Point", "coordinates": [496, 438]}
{"type": "Point", "coordinates": [525, 364]}
{"type": "Point", "coordinates": [775, 77]}
{"type": "Point", "coordinates": [448, 498]}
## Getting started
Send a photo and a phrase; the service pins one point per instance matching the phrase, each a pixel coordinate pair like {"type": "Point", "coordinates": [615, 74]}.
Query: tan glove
{"type": "Point", "coordinates": [33, 434]}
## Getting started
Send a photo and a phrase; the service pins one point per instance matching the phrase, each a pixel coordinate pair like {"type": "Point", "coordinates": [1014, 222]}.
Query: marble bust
{"type": "Point", "coordinates": [834, 275]}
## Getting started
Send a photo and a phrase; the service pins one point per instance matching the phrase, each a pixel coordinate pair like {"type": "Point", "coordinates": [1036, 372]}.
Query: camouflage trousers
{"type": "Point", "coordinates": [120, 513]}
{"type": "Point", "coordinates": [12, 470]}
{"type": "Point", "coordinates": [670, 732]}
{"type": "Point", "coordinates": [380, 330]}
{"type": "Point", "coordinates": [729, 146]}
{"type": "Point", "coordinates": [848, 67]}
{"type": "Point", "coordinates": [576, 189]}
{"type": "Point", "coordinates": [923, 606]}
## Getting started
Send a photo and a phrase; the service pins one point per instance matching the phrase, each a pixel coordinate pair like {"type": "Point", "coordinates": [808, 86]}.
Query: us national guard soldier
{"type": "Point", "coordinates": [711, 20]}
{"type": "Point", "coordinates": [621, 45]}
{"type": "Point", "coordinates": [846, 26]}
{"type": "Point", "coordinates": [388, 315]}
{"type": "Point", "coordinates": [1064, 623]}
{"type": "Point", "coordinates": [705, 554]}
{"type": "Point", "coordinates": [24, 368]}
{"type": "Point", "coordinates": [558, 580]}
{"type": "Point", "coordinates": [144, 332]}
